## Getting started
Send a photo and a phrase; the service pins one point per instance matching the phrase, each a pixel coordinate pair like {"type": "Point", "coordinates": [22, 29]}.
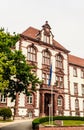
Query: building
{"type": "Point", "coordinates": [66, 90]}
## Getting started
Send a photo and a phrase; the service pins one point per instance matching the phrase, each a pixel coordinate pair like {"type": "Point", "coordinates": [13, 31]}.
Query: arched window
{"type": "Point", "coordinates": [60, 101]}
{"type": "Point", "coordinates": [46, 57]}
{"type": "Point", "coordinates": [31, 54]}
{"type": "Point", "coordinates": [59, 61]}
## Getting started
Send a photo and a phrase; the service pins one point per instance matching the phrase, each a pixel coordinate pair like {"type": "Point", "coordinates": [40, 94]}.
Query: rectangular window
{"type": "Point", "coordinates": [2, 99]}
{"type": "Point", "coordinates": [75, 88]}
{"type": "Point", "coordinates": [76, 104]}
{"type": "Point", "coordinates": [82, 89]}
{"type": "Point", "coordinates": [45, 78]}
{"type": "Point", "coordinates": [83, 104]}
{"type": "Point", "coordinates": [46, 39]}
{"type": "Point", "coordinates": [82, 73]}
{"type": "Point", "coordinates": [59, 81]}
{"type": "Point", "coordinates": [59, 102]}
{"type": "Point", "coordinates": [30, 100]}
{"type": "Point", "coordinates": [75, 71]}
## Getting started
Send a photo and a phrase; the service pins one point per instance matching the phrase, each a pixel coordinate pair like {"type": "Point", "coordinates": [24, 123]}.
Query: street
{"type": "Point", "coordinates": [27, 125]}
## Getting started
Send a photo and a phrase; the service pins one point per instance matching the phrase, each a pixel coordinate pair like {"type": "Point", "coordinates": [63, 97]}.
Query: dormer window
{"type": "Point", "coordinates": [46, 34]}
{"type": "Point", "coordinates": [46, 39]}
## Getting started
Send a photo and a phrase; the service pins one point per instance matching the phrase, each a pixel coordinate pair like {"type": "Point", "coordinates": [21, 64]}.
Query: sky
{"type": "Point", "coordinates": [66, 18]}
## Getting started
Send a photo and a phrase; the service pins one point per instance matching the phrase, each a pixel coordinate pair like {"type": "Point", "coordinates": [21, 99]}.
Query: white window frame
{"type": "Point", "coordinates": [2, 98]}
{"type": "Point", "coordinates": [30, 99]}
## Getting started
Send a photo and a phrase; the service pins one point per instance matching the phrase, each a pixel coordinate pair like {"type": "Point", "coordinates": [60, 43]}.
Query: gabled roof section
{"type": "Point", "coordinates": [76, 60]}
{"type": "Point", "coordinates": [33, 32]}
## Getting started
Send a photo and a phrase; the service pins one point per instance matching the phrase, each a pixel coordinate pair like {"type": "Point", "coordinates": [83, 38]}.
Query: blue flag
{"type": "Point", "coordinates": [50, 76]}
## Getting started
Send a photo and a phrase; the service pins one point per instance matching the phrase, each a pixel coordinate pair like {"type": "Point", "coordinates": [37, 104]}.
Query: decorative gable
{"type": "Point", "coordinates": [46, 34]}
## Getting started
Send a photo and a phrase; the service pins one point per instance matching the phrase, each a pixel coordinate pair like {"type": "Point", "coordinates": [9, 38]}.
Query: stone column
{"type": "Point", "coordinates": [42, 105]}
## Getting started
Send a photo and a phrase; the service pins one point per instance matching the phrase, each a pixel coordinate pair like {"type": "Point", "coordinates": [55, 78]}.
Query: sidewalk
{"type": "Point", "coordinates": [12, 122]}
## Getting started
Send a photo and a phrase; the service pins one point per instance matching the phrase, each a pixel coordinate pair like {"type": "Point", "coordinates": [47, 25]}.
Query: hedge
{"type": "Point", "coordinates": [38, 121]}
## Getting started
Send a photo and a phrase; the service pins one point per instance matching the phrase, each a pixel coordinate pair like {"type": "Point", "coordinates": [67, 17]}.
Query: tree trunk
{"type": "Point", "coordinates": [16, 106]}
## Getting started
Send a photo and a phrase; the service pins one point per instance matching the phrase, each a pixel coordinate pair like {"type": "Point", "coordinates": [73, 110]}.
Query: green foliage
{"type": "Point", "coordinates": [38, 121]}
{"type": "Point", "coordinates": [5, 113]}
{"type": "Point", "coordinates": [15, 73]}
{"type": "Point", "coordinates": [7, 67]}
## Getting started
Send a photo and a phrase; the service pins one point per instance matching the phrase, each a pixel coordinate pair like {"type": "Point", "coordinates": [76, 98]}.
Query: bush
{"type": "Point", "coordinates": [5, 113]}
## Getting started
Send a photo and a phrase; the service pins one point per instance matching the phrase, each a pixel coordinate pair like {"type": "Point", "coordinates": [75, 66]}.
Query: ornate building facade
{"type": "Point", "coordinates": [67, 84]}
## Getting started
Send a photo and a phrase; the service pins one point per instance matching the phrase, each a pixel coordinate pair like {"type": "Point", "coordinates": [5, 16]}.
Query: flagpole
{"type": "Point", "coordinates": [51, 105]}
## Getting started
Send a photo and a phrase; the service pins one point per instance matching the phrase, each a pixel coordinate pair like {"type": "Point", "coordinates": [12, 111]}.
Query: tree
{"type": "Point", "coordinates": [7, 68]}
{"type": "Point", "coordinates": [15, 73]}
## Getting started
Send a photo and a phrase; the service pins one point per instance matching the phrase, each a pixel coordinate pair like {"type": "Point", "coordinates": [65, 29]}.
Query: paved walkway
{"type": "Point", "coordinates": [12, 122]}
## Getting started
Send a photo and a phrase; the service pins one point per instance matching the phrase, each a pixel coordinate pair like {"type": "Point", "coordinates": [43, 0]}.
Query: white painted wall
{"type": "Point", "coordinates": [21, 100]}
{"type": "Point", "coordinates": [22, 112]}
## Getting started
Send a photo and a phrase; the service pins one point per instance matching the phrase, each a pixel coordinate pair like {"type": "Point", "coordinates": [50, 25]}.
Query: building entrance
{"type": "Point", "coordinates": [48, 105]}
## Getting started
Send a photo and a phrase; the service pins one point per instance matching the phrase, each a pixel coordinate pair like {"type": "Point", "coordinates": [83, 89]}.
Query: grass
{"type": "Point", "coordinates": [66, 123]}
{"type": "Point", "coordinates": [48, 123]}
{"type": "Point", "coordinates": [73, 123]}
{"type": "Point", "coordinates": [8, 120]}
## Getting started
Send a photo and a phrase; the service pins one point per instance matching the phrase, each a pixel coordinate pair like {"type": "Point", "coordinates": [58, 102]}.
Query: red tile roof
{"type": "Point", "coordinates": [76, 60]}
{"type": "Point", "coordinates": [32, 33]}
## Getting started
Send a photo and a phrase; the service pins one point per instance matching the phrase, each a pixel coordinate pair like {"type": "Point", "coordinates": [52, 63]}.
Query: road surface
{"type": "Point", "coordinates": [26, 125]}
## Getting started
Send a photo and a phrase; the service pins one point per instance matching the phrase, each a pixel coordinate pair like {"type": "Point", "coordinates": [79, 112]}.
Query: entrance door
{"type": "Point", "coordinates": [49, 104]}
{"type": "Point", "coordinates": [46, 103]}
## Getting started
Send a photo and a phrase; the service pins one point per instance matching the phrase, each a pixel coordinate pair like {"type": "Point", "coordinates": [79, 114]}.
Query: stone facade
{"type": "Point", "coordinates": [65, 94]}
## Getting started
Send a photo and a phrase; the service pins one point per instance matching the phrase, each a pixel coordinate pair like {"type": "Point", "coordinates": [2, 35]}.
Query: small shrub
{"type": "Point", "coordinates": [5, 113]}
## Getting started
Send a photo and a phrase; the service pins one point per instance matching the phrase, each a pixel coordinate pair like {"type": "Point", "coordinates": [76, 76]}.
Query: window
{"type": "Point", "coordinates": [31, 54]}
{"type": "Point", "coordinates": [59, 81]}
{"type": "Point", "coordinates": [46, 39]}
{"type": "Point", "coordinates": [75, 71]}
{"type": "Point", "coordinates": [76, 104]}
{"type": "Point", "coordinates": [83, 104]}
{"type": "Point", "coordinates": [82, 73]}
{"type": "Point", "coordinates": [59, 61]}
{"type": "Point", "coordinates": [75, 88]}
{"type": "Point", "coordinates": [30, 99]}
{"type": "Point", "coordinates": [45, 78]}
{"type": "Point", "coordinates": [3, 99]}
{"type": "Point", "coordinates": [46, 58]}
{"type": "Point", "coordinates": [60, 101]}
{"type": "Point", "coordinates": [82, 88]}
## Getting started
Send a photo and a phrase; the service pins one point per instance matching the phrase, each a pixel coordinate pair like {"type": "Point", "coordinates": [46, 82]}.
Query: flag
{"type": "Point", "coordinates": [50, 76]}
